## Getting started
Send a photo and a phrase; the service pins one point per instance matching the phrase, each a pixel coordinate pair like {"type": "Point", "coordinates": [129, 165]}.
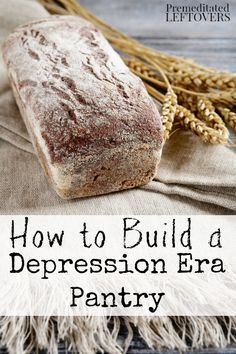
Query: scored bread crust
{"type": "Point", "coordinates": [92, 123]}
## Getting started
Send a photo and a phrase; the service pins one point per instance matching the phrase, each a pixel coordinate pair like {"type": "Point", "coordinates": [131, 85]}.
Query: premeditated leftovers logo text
{"type": "Point", "coordinates": [198, 13]}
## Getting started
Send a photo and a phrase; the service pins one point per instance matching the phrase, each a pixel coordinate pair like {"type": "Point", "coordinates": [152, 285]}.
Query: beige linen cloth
{"type": "Point", "coordinates": [193, 178]}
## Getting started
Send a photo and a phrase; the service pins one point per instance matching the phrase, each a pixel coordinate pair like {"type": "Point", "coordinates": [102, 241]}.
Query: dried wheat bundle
{"type": "Point", "coordinates": [195, 97]}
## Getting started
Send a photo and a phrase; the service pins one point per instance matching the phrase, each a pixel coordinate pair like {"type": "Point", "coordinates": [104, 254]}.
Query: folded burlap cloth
{"type": "Point", "coordinates": [192, 178]}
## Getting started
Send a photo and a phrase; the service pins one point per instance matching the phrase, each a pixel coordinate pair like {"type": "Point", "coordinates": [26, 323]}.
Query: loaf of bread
{"type": "Point", "coordinates": [92, 123]}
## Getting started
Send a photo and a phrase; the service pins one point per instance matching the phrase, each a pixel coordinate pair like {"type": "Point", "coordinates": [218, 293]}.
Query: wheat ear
{"type": "Point", "coordinates": [228, 116]}
{"type": "Point", "coordinates": [189, 121]}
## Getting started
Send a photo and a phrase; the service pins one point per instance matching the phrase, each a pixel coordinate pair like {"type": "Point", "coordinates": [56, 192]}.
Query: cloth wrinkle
{"type": "Point", "coordinates": [202, 176]}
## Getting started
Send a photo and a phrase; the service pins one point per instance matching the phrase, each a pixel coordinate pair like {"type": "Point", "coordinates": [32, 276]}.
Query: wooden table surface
{"type": "Point", "coordinates": [212, 44]}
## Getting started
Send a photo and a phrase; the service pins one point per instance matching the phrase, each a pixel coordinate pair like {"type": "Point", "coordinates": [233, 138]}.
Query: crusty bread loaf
{"type": "Point", "coordinates": [93, 125]}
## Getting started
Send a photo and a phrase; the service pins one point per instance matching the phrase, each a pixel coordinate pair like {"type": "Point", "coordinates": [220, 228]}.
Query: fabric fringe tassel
{"type": "Point", "coordinates": [90, 335]}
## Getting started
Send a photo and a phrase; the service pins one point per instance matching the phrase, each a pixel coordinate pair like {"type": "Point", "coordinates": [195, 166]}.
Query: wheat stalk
{"type": "Point", "coordinates": [205, 81]}
{"type": "Point", "coordinates": [207, 112]}
{"type": "Point", "coordinates": [168, 112]}
{"type": "Point", "coordinates": [189, 121]}
{"type": "Point", "coordinates": [225, 97]}
{"type": "Point", "coordinates": [145, 72]}
{"type": "Point", "coordinates": [202, 80]}
{"type": "Point", "coordinates": [228, 116]}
